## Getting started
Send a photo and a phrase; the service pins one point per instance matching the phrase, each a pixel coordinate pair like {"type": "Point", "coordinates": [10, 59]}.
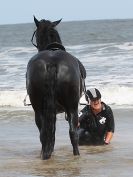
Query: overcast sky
{"type": "Point", "coordinates": [22, 11]}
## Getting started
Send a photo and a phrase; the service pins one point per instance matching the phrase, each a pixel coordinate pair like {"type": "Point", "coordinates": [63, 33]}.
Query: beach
{"type": "Point", "coordinates": [20, 148]}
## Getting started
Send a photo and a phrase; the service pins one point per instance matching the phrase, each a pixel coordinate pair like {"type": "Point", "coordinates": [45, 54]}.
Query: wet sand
{"type": "Point", "coordinates": [20, 149]}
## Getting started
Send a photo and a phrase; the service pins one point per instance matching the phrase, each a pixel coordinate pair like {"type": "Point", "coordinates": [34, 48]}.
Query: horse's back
{"type": "Point", "coordinates": [65, 63]}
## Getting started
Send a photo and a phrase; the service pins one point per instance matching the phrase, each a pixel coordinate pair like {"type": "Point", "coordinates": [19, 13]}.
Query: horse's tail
{"type": "Point", "coordinates": [47, 135]}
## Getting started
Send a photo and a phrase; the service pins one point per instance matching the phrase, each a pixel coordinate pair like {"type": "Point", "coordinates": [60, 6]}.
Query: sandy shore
{"type": "Point", "coordinates": [20, 149]}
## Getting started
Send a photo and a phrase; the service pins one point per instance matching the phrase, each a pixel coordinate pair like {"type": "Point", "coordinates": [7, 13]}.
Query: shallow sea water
{"type": "Point", "coordinates": [20, 149]}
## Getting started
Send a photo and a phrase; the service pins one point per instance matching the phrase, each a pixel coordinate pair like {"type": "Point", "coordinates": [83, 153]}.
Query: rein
{"type": "Point", "coordinates": [33, 38]}
{"type": "Point", "coordinates": [84, 90]}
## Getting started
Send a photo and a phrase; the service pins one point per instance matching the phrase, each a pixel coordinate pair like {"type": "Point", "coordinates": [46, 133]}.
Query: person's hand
{"type": "Point", "coordinates": [106, 143]}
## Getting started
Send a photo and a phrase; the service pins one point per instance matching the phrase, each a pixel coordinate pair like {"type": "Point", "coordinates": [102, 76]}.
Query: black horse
{"type": "Point", "coordinates": [55, 82]}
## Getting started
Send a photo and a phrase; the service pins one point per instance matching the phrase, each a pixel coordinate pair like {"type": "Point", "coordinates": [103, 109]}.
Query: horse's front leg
{"type": "Point", "coordinates": [73, 123]}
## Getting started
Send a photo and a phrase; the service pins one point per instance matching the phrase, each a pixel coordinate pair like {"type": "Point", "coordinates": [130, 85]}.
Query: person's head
{"type": "Point", "coordinates": [94, 96]}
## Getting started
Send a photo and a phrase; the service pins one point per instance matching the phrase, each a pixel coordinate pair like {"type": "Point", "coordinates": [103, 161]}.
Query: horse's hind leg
{"type": "Point", "coordinates": [73, 122]}
{"type": "Point", "coordinates": [45, 121]}
{"type": "Point", "coordinates": [37, 106]}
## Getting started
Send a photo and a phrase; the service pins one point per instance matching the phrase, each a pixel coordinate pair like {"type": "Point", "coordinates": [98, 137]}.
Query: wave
{"type": "Point", "coordinates": [118, 95]}
{"type": "Point", "coordinates": [12, 98]}
{"type": "Point", "coordinates": [108, 68]}
{"type": "Point", "coordinates": [125, 46]}
{"type": "Point", "coordinates": [16, 52]}
{"type": "Point", "coordinates": [113, 95]}
{"type": "Point", "coordinates": [11, 52]}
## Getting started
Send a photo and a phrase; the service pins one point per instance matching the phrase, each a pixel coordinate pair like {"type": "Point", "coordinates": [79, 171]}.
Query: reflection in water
{"type": "Point", "coordinates": [63, 163]}
{"type": "Point", "coordinates": [59, 166]}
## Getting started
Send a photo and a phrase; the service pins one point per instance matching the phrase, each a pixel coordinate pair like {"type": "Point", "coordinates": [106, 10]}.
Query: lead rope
{"type": "Point", "coordinates": [24, 101]}
{"type": "Point", "coordinates": [84, 91]}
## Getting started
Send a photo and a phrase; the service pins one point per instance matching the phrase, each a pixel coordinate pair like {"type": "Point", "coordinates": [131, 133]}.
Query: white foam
{"type": "Point", "coordinates": [115, 95]}
{"type": "Point", "coordinates": [118, 95]}
{"type": "Point", "coordinates": [12, 98]}
{"type": "Point", "coordinates": [112, 95]}
{"type": "Point", "coordinates": [125, 46]}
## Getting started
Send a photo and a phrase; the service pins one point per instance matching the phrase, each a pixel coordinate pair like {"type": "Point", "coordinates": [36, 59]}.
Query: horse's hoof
{"type": "Point", "coordinates": [45, 156]}
{"type": "Point", "coordinates": [76, 153]}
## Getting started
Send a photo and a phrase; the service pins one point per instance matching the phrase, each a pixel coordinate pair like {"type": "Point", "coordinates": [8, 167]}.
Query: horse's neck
{"type": "Point", "coordinates": [50, 40]}
{"type": "Point", "coordinates": [51, 44]}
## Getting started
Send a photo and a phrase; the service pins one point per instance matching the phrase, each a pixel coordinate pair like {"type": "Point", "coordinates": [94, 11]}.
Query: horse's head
{"type": "Point", "coordinates": [46, 33]}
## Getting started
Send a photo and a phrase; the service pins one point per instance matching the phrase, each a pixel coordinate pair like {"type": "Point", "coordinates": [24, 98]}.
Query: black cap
{"type": "Point", "coordinates": [93, 94]}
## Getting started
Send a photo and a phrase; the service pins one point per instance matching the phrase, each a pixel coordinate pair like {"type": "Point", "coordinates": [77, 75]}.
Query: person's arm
{"type": "Point", "coordinates": [108, 137]}
{"type": "Point", "coordinates": [80, 118]}
{"type": "Point", "coordinates": [110, 126]}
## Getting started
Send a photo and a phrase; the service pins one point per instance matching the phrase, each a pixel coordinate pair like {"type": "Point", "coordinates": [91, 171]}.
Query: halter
{"type": "Point", "coordinates": [55, 46]}
{"type": "Point", "coordinates": [33, 38]}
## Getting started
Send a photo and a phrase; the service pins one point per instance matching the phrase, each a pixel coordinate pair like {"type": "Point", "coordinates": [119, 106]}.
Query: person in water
{"type": "Point", "coordinates": [96, 121]}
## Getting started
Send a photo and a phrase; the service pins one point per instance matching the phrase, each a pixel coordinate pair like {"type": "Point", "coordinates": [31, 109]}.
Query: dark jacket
{"type": "Point", "coordinates": [97, 125]}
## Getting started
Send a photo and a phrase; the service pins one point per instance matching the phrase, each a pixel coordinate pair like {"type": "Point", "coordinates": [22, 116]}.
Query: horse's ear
{"type": "Point", "coordinates": [36, 21]}
{"type": "Point", "coordinates": [55, 23]}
